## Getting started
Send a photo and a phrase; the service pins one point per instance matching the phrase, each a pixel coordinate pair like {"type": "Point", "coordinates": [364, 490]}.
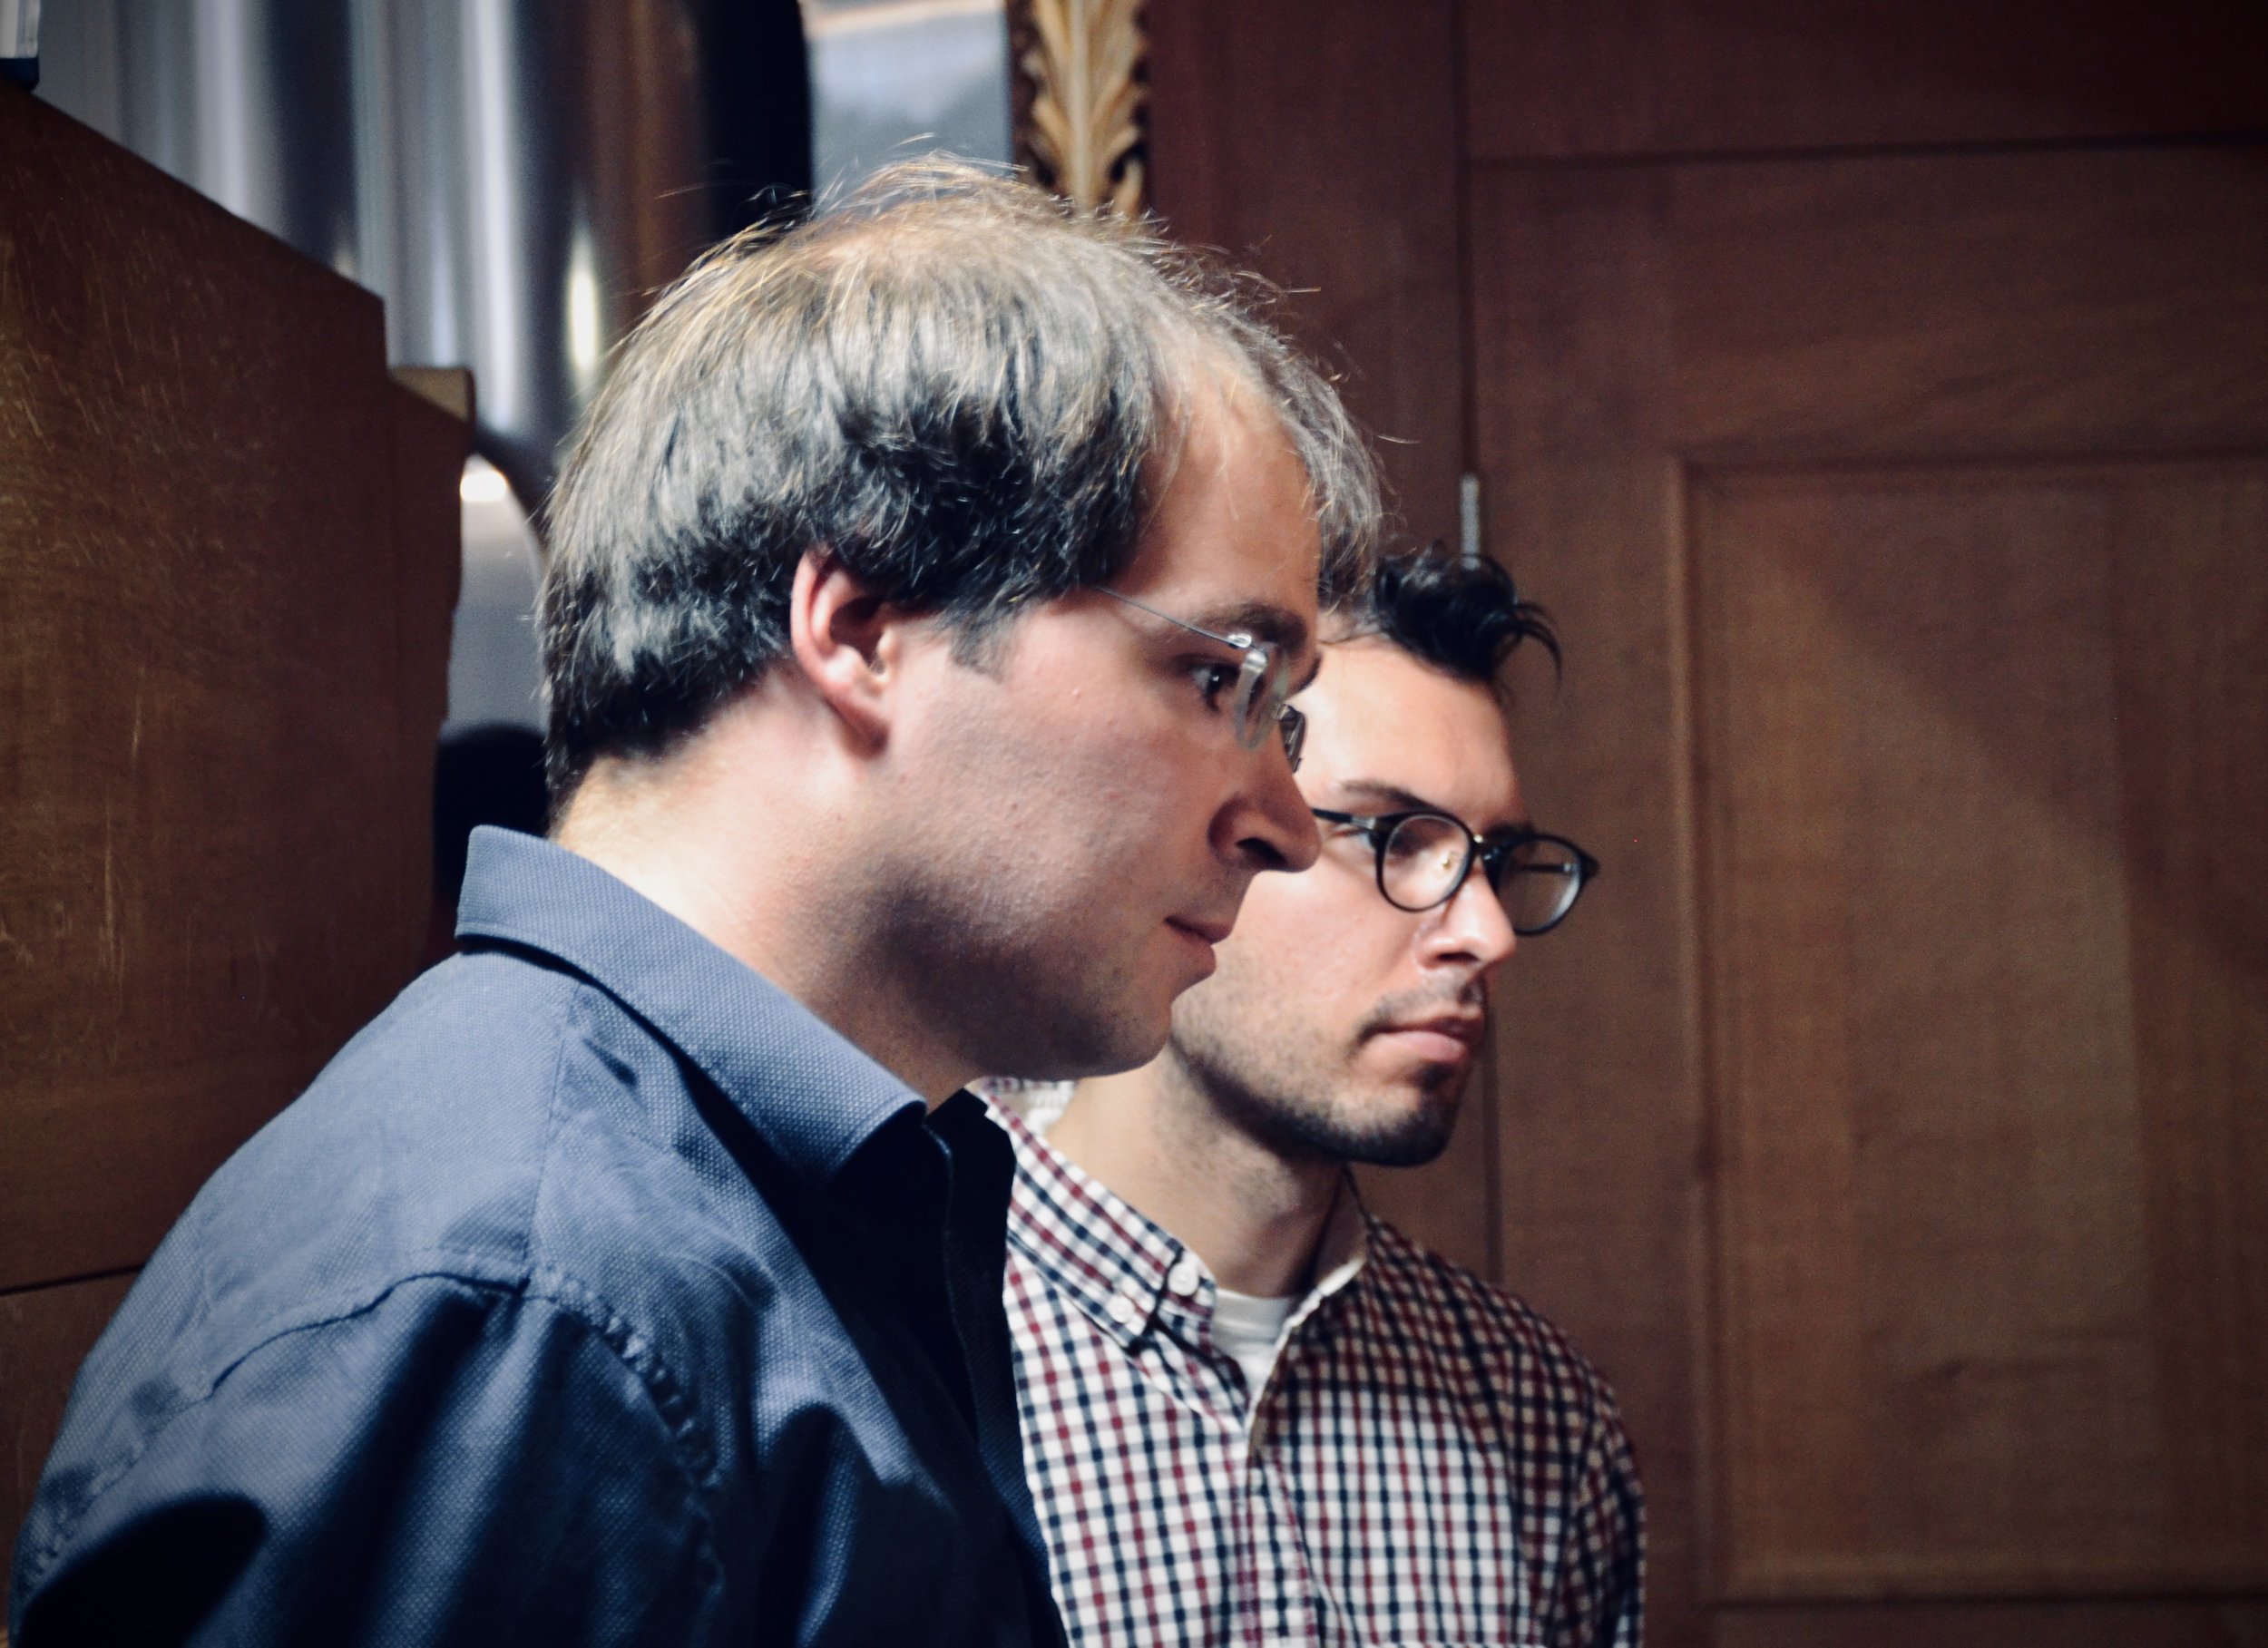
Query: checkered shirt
{"type": "Point", "coordinates": [1428, 1461]}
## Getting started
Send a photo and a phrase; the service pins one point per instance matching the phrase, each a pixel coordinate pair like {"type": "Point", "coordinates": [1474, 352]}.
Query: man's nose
{"type": "Point", "coordinates": [1472, 926]}
{"type": "Point", "coordinates": [1268, 824]}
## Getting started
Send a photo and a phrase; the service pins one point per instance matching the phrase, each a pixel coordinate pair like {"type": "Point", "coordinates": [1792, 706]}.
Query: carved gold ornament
{"type": "Point", "coordinates": [1082, 131]}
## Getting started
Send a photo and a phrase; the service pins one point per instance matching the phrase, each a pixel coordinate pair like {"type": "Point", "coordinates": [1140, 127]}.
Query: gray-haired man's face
{"type": "Point", "coordinates": [1090, 819]}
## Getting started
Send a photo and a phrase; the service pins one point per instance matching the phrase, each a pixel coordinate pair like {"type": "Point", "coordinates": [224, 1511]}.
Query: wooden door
{"type": "Point", "coordinates": [1894, 1127]}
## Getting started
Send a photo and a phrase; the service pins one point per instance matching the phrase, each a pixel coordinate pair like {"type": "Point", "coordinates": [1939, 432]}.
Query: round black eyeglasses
{"type": "Point", "coordinates": [1423, 858]}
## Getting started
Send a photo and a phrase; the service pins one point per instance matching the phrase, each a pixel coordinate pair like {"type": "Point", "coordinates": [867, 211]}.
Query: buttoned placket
{"type": "Point", "coordinates": [1292, 1592]}
{"type": "Point", "coordinates": [1288, 1606]}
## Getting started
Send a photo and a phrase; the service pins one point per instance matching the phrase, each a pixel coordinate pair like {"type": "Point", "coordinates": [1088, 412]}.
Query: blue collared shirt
{"type": "Point", "coordinates": [596, 1292]}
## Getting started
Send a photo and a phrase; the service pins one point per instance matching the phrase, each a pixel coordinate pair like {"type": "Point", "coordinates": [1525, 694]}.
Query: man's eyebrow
{"type": "Point", "coordinates": [1388, 797]}
{"type": "Point", "coordinates": [1265, 621]}
{"type": "Point", "coordinates": [1262, 620]}
{"type": "Point", "coordinates": [1393, 799]}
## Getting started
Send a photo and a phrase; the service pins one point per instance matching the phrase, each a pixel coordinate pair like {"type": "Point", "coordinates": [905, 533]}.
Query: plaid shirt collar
{"type": "Point", "coordinates": [1426, 1461]}
{"type": "Point", "coordinates": [1127, 1273]}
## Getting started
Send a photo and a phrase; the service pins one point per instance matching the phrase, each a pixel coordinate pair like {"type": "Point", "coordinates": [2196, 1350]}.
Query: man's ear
{"type": "Point", "coordinates": [846, 641]}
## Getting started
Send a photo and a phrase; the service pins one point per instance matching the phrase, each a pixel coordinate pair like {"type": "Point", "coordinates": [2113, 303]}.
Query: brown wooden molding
{"type": "Point", "coordinates": [1081, 99]}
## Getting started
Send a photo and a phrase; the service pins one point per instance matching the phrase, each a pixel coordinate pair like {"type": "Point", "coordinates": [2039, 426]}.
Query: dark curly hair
{"type": "Point", "coordinates": [1460, 613]}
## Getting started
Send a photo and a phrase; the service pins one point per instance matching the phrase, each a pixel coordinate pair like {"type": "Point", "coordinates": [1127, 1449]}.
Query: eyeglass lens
{"type": "Point", "coordinates": [1292, 726]}
{"type": "Point", "coordinates": [1259, 704]}
{"type": "Point", "coordinates": [1252, 697]}
{"type": "Point", "coordinates": [1423, 863]}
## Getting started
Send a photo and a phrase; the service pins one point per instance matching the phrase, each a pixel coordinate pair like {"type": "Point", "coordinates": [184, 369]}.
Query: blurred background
{"type": "Point", "coordinates": [1876, 395]}
{"type": "Point", "coordinates": [514, 182]}
{"type": "Point", "coordinates": [514, 179]}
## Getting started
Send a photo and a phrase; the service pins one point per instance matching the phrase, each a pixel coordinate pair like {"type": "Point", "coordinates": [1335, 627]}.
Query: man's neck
{"type": "Point", "coordinates": [677, 831]}
{"type": "Point", "coordinates": [1158, 1144]}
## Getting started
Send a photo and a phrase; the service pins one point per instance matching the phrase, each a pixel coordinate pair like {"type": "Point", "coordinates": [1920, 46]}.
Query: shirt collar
{"type": "Point", "coordinates": [813, 1096]}
{"type": "Point", "coordinates": [1126, 1271]}
{"type": "Point", "coordinates": [1340, 1254]}
{"type": "Point", "coordinates": [1114, 1262]}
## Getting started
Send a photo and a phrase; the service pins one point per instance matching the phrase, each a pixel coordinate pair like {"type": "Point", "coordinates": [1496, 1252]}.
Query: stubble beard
{"type": "Point", "coordinates": [1015, 1004]}
{"type": "Point", "coordinates": [1277, 1084]}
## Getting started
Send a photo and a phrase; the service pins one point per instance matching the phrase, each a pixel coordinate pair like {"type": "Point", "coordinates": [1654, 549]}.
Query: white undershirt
{"type": "Point", "coordinates": [1251, 1330]}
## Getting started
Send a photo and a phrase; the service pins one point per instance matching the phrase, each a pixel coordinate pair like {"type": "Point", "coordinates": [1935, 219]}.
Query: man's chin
{"type": "Point", "coordinates": [1419, 1140]}
{"type": "Point", "coordinates": [1406, 1129]}
{"type": "Point", "coordinates": [1092, 1045]}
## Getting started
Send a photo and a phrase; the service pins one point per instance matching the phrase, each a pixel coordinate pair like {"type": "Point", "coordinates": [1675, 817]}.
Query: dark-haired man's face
{"type": "Point", "coordinates": [1091, 820]}
{"type": "Point", "coordinates": [1338, 1027]}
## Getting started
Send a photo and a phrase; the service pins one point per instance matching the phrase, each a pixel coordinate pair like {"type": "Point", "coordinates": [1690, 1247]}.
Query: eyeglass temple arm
{"type": "Point", "coordinates": [1241, 642]}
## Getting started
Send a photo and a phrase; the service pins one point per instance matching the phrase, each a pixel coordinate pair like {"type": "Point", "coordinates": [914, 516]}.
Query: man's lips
{"type": "Point", "coordinates": [1202, 936]}
{"type": "Point", "coordinates": [1443, 1038]}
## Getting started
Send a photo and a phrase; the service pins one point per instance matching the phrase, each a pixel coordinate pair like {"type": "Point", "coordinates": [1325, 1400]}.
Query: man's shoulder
{"type": "Point", "coordinates": [1436, 1300]}
{"type": "Point", "coordinates": [435, 1131]}
{"type": "Point", "coordinates": [511, 1111]}
{"type": "Point", "coordinates": [502, 1125]}
{"type": "Point", "coordinates": [497, 1156]}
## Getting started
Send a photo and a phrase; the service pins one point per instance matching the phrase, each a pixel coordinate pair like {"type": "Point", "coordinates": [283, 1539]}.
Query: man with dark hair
{"type": "Point", "coordinates": [1252, 1411]}
{"type": "Point", "coordinates": [925, 589]}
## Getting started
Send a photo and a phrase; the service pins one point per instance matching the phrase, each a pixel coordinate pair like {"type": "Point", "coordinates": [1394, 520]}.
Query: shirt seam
{"type": "Point", "coordinates": [547, 1286]}
{"type": "Point", "coordinates": [672, 1405]}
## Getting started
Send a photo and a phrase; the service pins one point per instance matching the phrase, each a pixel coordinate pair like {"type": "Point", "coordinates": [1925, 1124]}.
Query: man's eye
{"type": "Point", "coordinates": [1212, 681]}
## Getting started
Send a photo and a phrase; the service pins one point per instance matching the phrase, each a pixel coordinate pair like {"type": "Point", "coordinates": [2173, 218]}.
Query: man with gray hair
{"type": "Point", "coordinates": [925, 589]}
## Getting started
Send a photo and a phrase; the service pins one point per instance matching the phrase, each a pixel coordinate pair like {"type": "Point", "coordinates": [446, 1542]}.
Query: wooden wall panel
{"type": "Point", "coordinates": [2101, 1622]}
{"type": "Point", "coordinates": [222, 664]}
{"type": "Point", "coordinates": [2081, 300]}
{"type": "Point", "coordinates": [1940, 1324]}
{"type": "Point", "coordinates": [1856, 320]}
{"type": "Point", "coordinates": [1560, 79]}
{"type": "Point", "coordinates": [2192, 594]}
{"type": "Point", "coordinates": [1356, 214]}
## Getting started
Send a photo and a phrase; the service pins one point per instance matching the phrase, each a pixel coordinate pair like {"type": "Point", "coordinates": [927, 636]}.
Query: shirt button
{"type": "Point", "coordinates": [1123, 1310]}
{"type": "Point", "coordinates": [1184, 1276]}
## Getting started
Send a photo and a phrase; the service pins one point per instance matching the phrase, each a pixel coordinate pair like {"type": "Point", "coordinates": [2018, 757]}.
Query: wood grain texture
{"type": "Point", "coordinates": [1994, 304]}
{"type": "Point", "coordinates": [228, 546]}
{"type": "Point", "coordinates": [1558, 79]}
{"type": "Point", "coordinates": [1944, 1343]}
{"type": "Point", "coordinates": [2193, 720]}
{"type": "Point", "coordinates": [2099, 1623]}
{"type": "Point", "coordinates": [47, 1332]}
{"type": "Point", "coordinates": [1637, 325]}
{"type": "Point", "coordinates": [1356, 214]}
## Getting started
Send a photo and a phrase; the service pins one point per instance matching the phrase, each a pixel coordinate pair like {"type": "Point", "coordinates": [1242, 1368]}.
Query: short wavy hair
{"type": "Point", "coordinates": [965, 390]}
{"type": "Point", "coordinates": [1462, 613]}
